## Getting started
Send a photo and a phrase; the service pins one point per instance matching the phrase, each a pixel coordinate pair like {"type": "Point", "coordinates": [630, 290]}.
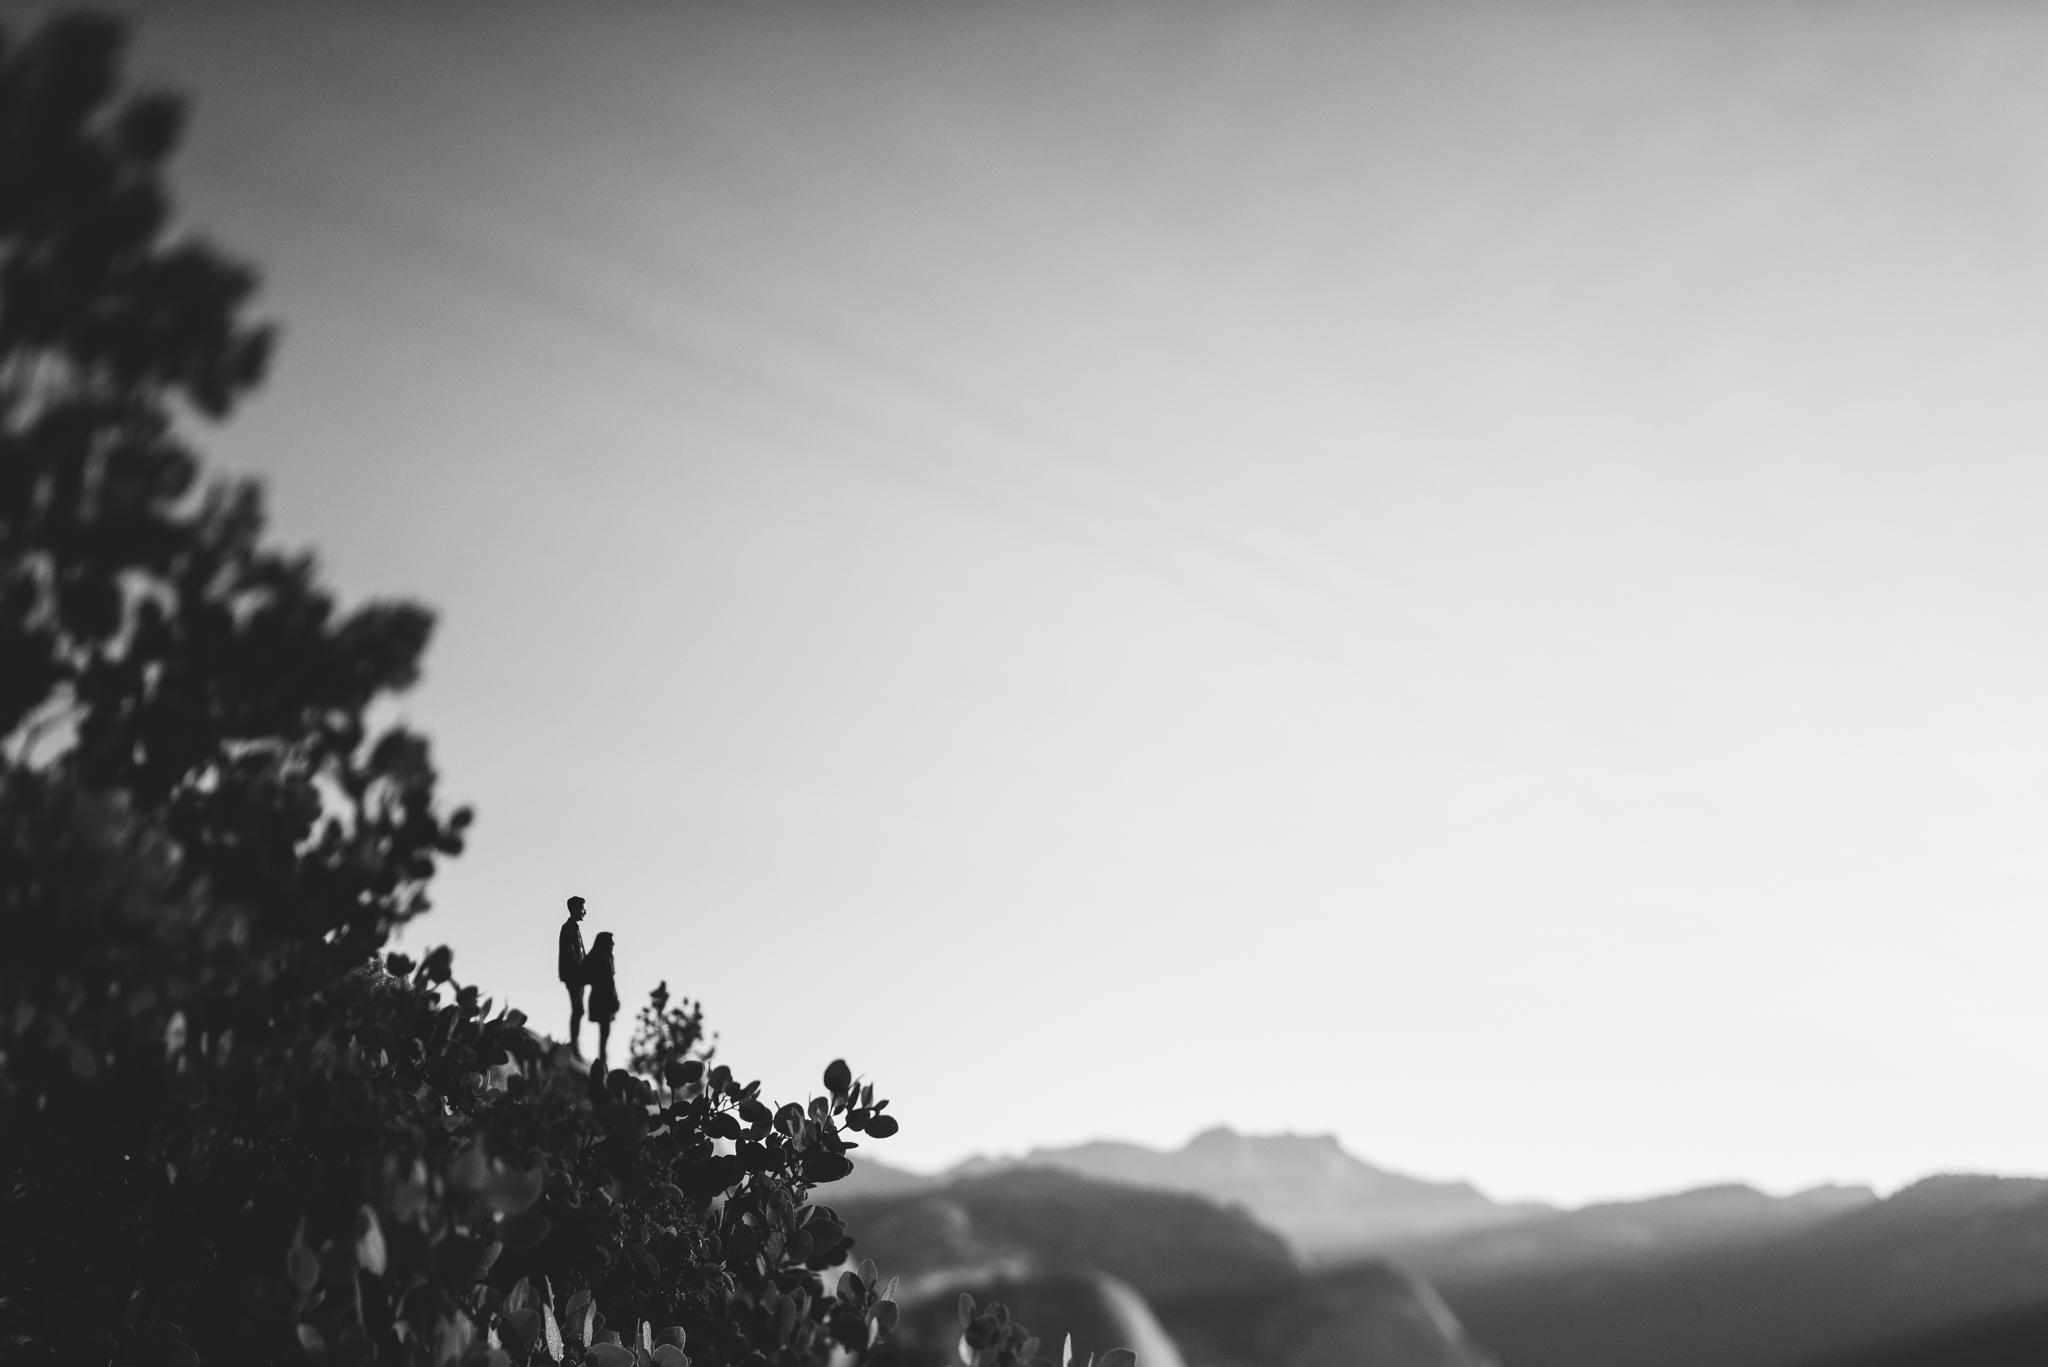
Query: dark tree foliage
{"type": "Point", "coordinates": [151, 640]}
{"type": "Point", "coordinates": [231, 1128]}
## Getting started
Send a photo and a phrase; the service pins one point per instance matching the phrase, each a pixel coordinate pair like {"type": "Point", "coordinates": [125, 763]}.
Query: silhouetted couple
{"type": "Point", "coordinates": [594, 970]}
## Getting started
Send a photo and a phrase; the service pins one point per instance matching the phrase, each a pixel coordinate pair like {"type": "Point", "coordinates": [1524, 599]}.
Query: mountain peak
{"type": "Point", "coordinates": [1323, 1199]}
{"type": "Point", "coordinates": [1223, 1137]}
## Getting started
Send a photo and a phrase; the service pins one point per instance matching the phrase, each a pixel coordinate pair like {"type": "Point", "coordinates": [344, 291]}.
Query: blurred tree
{"type": "Point", "coordinates": [154, 646]}
{"type": "Point", "coordinates": [228, 1130]}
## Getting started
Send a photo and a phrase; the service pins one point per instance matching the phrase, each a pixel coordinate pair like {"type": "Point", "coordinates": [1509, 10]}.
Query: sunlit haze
{"type": "Point", "coordinates": [1468, 576]}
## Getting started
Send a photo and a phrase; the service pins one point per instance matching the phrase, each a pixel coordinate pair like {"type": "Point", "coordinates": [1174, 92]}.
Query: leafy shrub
{"type": "Point", "coordinates": [382, 1169]}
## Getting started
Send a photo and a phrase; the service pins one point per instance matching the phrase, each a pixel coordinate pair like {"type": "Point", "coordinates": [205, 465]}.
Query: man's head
{"type": "Point", "coordinates": [575, 908]}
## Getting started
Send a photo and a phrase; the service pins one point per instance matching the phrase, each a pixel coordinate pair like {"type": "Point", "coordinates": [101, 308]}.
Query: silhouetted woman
{"type": "Point", "coordinates": [601, 976]}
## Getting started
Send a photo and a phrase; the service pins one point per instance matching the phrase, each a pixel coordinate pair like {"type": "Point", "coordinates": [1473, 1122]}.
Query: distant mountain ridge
{"type": "Point", "coordinates": [1950, 1272]}
{"type": "Point", "coordinates": [1888, 1280]}
{"type": "Point", "coordinates": [1326, 1203]}
{"type": "Point", "coordinates": [1696, 1221]}
{"type": "Point", "coordinates": [1027, 1222]}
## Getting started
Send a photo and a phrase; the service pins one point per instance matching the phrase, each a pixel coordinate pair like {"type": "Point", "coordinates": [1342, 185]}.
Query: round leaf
{"type": "Point", "coordinates": [508, 1193]}
{"type": "Point", "coordinates": [820, 1166]}
{"type": "Point", "coordinates": [523, 1329]}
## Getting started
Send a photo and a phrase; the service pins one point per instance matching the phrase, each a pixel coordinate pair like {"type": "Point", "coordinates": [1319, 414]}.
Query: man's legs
{"type": "Point", "coordinates": [575, 1018]}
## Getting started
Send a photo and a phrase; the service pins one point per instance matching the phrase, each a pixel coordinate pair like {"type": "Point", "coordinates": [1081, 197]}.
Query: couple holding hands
{"type": "Point", "coordinates": [594, 970]}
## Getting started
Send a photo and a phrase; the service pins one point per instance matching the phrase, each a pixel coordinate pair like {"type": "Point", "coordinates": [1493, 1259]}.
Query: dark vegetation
{"type": "Point", "coordinates": [989, 1336]}
{"type": "Point", "coordinates": [1070, 1307]}
{"type": "Point", "coordinates": [232, 1128]}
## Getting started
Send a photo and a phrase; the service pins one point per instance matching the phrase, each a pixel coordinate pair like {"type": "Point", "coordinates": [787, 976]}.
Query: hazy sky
{"type": "Point", "coordinates": [1467, 575]}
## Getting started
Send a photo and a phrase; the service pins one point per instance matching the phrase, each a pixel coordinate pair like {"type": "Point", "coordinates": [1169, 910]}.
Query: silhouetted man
{"type": "Point", "coordinates": [569, 965]}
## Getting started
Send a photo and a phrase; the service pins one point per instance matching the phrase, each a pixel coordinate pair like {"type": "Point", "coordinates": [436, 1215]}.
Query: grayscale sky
{"type": "Point", "coordinates": [1466, 575]}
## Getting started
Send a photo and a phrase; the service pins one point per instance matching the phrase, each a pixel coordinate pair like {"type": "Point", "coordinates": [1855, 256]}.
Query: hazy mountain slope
{"type": "Point", "coordinates": [1326, 1202]}
{"type": "Point", "coordinates": [2015, 1339]}
{"type": "Point", "coordinates": [1625, 1231]}
{"type": "Point", "coordinates": [1026, 1222]}
{"type": "Point", "coordinates": [1366, 1315]}
{"type": "Point", "coordinates": [871, 1177]}
{"type": "Point", "coordinates": [1226, 1288]}
{"type": "Point", "coordinates": [1940, 1253]}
